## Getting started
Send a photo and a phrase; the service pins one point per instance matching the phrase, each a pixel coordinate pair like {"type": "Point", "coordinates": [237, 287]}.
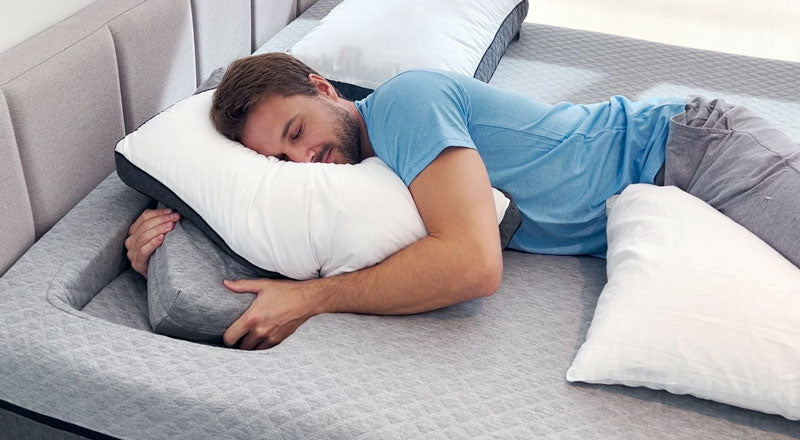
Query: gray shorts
{"type": "Point", "coordinates": [740, 164]}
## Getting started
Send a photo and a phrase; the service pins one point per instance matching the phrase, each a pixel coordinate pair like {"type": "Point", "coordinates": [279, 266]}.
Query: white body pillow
{"type": "Point", "coordinates": [367, 42]}
{"type": "Point", "coordinates": [303, 220]}
{"type": "Point", "coordinates": [695, 304]}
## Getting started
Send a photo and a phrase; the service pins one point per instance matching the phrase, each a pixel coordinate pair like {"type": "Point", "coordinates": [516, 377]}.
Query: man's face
{"type": "Point", "coordinates": [302, 128]}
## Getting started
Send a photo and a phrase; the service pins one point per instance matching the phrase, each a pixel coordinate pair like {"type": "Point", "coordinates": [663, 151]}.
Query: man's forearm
{"type": "Point", "coordinates": [429, 274]}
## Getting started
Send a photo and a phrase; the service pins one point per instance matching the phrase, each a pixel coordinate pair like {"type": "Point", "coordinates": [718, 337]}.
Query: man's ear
{"type": "Point", "coordinates": [323, 86]}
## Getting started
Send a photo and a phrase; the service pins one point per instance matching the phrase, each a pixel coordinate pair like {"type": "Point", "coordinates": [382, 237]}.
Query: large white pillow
{"type": "Point", "coordinates": [302, 220]}
{"type": "Point", "coordinates": [695, 304]}
{"type": "Point", "coordinates": [367, 42]}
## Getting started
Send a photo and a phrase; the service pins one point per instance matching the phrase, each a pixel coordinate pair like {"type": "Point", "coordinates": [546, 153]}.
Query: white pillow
{"type": "Point", "coordinates": [695, 304]}
{"type": "Point", "coordinates": [367, 42]}
{"type": "Point", "coordinates": [302, 220]}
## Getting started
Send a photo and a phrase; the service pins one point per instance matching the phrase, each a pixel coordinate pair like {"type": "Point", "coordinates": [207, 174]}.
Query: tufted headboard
{"type": "Point", "coordinates": [68, 94]}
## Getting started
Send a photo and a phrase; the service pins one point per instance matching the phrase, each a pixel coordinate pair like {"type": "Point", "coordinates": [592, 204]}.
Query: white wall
{"type": "Point", "coordinates": [767, 28]}
{"type": "Point", "coordinates": [22, 19]}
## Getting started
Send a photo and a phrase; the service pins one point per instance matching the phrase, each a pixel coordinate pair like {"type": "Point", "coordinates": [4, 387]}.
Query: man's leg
{"type": "Point", "coordinates": [740, 164]}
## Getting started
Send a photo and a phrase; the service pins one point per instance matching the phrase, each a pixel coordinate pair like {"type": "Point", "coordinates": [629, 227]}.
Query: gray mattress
{"type": "Point", "coordinates": [76, 344]}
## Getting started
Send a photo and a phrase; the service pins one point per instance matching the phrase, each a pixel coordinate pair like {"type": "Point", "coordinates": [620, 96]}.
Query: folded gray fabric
{"type": "Point", "coordinates": [741, 165]}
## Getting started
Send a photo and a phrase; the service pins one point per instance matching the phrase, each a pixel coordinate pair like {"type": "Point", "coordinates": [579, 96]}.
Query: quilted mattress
{"type": "Point", "coordinates": [78, 357]}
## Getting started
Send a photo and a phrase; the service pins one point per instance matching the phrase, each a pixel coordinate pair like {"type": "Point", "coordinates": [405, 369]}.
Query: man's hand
{"type": "Point", "coordinates": [280, 307]}
{"type": "Point", "coordinates": [146, 234]}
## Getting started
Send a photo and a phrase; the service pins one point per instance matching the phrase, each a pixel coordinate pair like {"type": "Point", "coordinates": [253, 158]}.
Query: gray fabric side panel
{"type": "Point", "coordinates": [67, 117]}
{"type": "Point", "coordinates": [123, 301]}
{"type": "Point", "coordinates": [17, 232]}
{"type": "Point", "coordinates": [737, 162]}
{"type": "Point", "coordinates": [90, 268]}
{"type": "Point", "coordinates": [58, 38]}
{"type": "Point", "coordinates": [268, 18]}
{"type": "Point", "coordinates": [508, 31]}
{"type": "Point", "coordinates": [221, 33]}
{"type": "Point", "coordinates": [146, 184]}
{"type": "Point", "coordinates": [154, 45]}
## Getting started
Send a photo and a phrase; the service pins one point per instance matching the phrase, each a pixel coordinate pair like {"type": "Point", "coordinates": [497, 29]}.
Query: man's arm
{"type": "Point", "coordinates": [459, 259]}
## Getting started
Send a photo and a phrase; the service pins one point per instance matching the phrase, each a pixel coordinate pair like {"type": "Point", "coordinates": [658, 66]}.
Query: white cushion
{"type": "Point", "coordinates": [695, 304]}
{"type": "Point", "coordinates": [302, 220]}
{"type": "Point", "coordinates": [366, 42]}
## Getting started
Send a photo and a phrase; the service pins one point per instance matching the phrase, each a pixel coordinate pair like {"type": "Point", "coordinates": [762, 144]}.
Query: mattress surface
{"type": "Point", "coordinates": [75, 342]}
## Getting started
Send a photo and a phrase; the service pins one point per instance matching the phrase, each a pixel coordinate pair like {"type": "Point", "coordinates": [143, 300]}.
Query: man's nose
{"type": "Point", "coordinates": [301, 155]}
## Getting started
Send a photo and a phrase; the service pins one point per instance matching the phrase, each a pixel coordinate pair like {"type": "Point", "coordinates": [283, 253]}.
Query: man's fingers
{"type": "Point", "coordinates": [157, 222]}
{"type": "Point", "coordinates": [256, 340]}
{"type": "Point", "coordinates": [235, 331]}
{"type": "Point", "coordinates": [140, 259]}
{"type": "Point", "coordinates": [151, 246]}
{"type": "Point", "coordinates": [265, 345]}
{"type": "Point", "coordinates": [147, 214]}
{"type": "Point", "coordinates": [152, 229]}
{"type": "Point", "coordinates": [160, 223]}
{"type": "Point", "coordinates": [242, 286]}
{"type": "Point", "coordinates": [250, 341]}
{"type": "Point", "coordinates": [148, 235]}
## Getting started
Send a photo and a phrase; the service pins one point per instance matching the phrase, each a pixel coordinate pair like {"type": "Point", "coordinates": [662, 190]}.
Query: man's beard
{"type": "Point", "coordinates": [348, 133]}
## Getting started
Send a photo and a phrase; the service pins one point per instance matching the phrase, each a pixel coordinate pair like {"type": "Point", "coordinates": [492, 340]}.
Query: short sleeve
{"type": "Point", "coordinates": [413, 117]}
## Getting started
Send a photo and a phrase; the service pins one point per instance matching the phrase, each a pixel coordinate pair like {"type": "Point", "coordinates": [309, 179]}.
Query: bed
{"type": "Point", "coordinates": [78, 356]}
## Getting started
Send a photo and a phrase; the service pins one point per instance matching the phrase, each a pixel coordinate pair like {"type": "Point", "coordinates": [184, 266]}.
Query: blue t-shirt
{"type": "Point", "coordinates": [559, 162]}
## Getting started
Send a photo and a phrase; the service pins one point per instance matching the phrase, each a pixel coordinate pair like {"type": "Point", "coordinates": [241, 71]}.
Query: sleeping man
{"type": "Point", "coordinates": [450, 138]}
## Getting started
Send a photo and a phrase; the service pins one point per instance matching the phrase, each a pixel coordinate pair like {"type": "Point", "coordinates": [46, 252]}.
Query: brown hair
{"type": "Point", "coordinates": [250, 79]}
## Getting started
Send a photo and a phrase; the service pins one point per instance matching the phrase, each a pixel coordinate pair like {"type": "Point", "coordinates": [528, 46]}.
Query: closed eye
{"type": "Point", "coordinates": [298, 133]}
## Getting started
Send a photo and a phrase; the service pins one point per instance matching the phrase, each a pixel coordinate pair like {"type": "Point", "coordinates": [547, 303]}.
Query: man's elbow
{"type": "Point", "coordinates": [487, 273]}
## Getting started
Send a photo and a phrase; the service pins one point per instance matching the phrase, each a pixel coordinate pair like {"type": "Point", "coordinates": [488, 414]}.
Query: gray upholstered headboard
{"type": "Point", "coordinates": [70, 93]}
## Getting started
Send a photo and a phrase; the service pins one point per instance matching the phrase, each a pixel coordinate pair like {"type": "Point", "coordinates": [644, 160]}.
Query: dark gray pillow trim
{"type": "Point", "coordinates": [508, 31]}
{"type": "Point", "coordinates": [512, 220]}
{"type": "Point", "coordinates": [146, 184]}
{"type": "Point", "coordinates": [351, 92]}
{"type": "Point", "coordinates": [41, 421]}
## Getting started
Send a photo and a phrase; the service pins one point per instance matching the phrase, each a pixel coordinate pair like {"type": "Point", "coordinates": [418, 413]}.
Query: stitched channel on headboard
{"type": "Point", "coordinates": [16, 228]}
{"type": "Point", "coordinates": [221, 33]}
{"type": "Point", "coordinates": [66, 115]}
